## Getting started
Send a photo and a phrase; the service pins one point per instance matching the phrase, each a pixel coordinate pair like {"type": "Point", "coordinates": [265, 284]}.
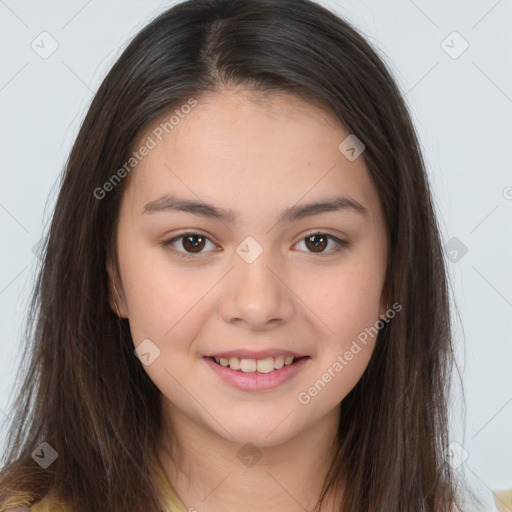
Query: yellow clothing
{"type": "Point", "coordinates": [171, 499]}
{"type": "Point", "coordinates": [503, 500]}
{"type": "Point", "coordinates": [48, 504]}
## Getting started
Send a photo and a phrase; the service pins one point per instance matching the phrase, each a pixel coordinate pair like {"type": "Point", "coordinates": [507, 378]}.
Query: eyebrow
{"type": "Point", "coordinates": [291, 214]}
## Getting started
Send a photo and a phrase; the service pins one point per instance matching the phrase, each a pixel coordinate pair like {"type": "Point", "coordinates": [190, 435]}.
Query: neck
{"type": "Point", "coordinates": [210, 473]}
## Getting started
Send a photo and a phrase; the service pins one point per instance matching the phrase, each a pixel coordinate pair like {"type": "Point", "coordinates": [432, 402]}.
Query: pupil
{"type": "Point", "coordinates": [317, 246]}
{"type": "Point", "coordinates": [196, 247]}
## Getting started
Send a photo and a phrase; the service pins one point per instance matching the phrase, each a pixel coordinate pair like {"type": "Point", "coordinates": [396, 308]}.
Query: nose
{"type": "Point", "coordinates": [257, 295]}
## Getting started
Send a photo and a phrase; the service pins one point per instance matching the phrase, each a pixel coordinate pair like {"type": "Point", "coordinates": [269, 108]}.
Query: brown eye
{"type": "Point", "coordinates": [316, 242]}
{"type": "Point", "coordinates": [193, 243]}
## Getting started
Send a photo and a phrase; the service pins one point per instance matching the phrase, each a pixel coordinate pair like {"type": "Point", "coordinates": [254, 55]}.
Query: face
{"type": "Point", "coordinates": [249, 274]}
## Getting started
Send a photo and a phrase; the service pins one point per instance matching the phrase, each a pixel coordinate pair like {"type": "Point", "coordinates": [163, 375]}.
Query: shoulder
{"type": "Point", "coordinates": [171, 501]}
{"type": "Point", "coordinates": [23, 504]}
{"type": "Point", "coordinates": [15, 503]}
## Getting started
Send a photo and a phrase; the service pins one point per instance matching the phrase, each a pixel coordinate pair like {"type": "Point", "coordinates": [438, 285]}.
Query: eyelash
{"type": "Point", "coordinates": [341, 244]}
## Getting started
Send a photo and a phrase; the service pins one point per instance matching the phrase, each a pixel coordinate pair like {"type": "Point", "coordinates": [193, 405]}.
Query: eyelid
{"type": "Point", "coordinates": [340, 243]}
{"type": "Point", "coordinates": [320, 231]}
{"type": "Point", "coordinates": [167, 243]}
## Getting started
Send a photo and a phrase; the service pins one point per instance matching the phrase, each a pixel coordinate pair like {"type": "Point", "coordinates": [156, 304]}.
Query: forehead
{"type": "Point", "coordinates": [246, 151]}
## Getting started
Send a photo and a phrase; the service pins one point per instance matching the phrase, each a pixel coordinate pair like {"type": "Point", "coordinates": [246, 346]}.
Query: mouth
{"type": "Point", "coordinates": [258, 366]}
{"type": "Point", "coordinates": [257, 375]}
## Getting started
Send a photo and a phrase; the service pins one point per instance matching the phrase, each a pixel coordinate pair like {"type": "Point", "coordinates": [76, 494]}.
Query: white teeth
{"type": "Point", "coordinates": [234, 363]}
{"type": "Point", "coordinates": [278, 362]}
{"type": "Point", "coordinates": [248, 365]}
{"type": "Point", "coordinates": [267, 365]}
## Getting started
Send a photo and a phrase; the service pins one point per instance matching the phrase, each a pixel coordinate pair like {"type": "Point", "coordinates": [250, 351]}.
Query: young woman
{"type": "Point", "coordinates": [243, 303]}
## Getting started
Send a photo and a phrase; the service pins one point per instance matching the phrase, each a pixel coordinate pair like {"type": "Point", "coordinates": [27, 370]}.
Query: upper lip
{"type": "Point", "coordinates": [255, 354]}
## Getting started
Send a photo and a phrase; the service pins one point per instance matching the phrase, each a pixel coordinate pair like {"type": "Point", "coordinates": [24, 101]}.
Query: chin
{"type": "Point", "coordinates": [261, 434]}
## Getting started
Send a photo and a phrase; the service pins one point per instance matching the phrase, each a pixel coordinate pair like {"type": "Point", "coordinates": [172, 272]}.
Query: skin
{"type": "Point", "coordinates": [256, 156]}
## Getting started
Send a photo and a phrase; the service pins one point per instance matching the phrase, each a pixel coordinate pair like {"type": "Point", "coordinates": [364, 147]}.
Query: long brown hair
{"type": "Point", "coordinates": [84, 392]}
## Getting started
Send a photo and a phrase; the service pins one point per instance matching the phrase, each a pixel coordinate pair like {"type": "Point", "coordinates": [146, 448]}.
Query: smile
{"type": "Point", "coordinates": [267, 365]}
{"type": "Point", "coordinates": [257, 374]}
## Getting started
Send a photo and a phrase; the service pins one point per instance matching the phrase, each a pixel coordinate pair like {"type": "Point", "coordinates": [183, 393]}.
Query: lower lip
{"type": "Point", "coordinates": [257, 381]}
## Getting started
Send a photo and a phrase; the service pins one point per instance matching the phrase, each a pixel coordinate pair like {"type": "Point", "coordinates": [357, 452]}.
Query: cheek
{"type": "Point", "coordinates": [162, 300]}
{"type": "Point", "coordinates": [344, 298]}
{"type": "Point", "coordinates": [349, 307]}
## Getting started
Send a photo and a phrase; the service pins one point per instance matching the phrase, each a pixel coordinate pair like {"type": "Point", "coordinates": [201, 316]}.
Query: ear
{"type": "Point", "coordinates": [115, 291]}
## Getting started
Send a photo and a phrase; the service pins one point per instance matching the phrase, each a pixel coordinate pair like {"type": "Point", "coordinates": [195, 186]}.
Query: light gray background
{"type": "Point", "coordinates": [462, 108]}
